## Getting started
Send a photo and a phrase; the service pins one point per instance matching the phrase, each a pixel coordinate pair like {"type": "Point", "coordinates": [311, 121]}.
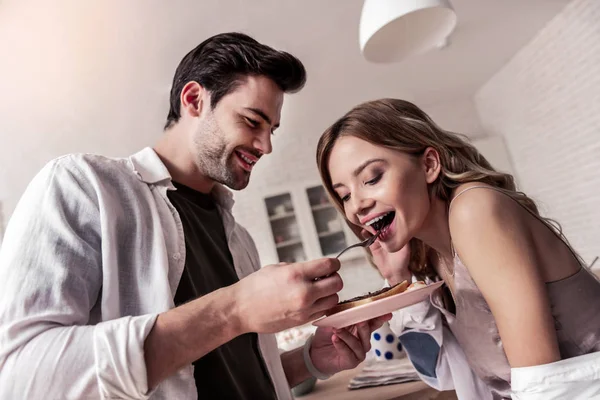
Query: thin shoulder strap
{"type": "Point", "coordinates": [454, 253]}
{"type": "Point", "coordinates": [473, 187]}
{"type": "Point", "coordinates": [560, 235]}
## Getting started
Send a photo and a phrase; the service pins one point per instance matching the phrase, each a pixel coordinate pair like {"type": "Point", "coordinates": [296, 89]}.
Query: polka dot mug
{"type": "Point", "coordinates": [385, 345]}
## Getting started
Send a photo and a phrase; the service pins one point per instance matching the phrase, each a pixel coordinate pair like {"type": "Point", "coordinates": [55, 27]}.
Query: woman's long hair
{"type": "Point", "coordinates": [402, 126]}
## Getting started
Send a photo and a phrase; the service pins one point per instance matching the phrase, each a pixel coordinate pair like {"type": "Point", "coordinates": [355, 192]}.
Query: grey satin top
{"type": "Point", "coordinates": [574, 303]}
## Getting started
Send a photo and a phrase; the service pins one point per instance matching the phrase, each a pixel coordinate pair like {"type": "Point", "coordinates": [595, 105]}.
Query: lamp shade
{"type": "Point", "coordinates": [392, 30]}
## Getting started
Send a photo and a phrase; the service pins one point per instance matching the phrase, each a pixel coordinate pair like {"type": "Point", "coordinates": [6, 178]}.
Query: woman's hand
{"type": "Point", "coordinates": [392, 266]}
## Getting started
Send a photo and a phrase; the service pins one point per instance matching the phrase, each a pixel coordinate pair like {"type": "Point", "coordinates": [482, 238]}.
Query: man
{"type": "Point", "coordinates": [129, 278]}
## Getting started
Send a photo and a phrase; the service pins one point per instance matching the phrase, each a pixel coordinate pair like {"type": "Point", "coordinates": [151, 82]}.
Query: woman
{"type": "Point", "coordinates": [519, 296]}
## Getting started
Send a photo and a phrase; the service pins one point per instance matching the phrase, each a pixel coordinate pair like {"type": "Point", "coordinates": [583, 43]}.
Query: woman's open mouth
{"type": "Point", "coordinates": [383, 224]}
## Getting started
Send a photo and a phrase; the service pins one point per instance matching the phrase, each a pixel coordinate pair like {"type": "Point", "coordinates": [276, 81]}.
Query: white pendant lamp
{"type": "Point", "coordinates": [392, 30]}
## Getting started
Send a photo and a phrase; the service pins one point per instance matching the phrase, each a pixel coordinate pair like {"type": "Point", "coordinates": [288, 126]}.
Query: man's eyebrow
{"type": "Point", "coordinates": [262, 114]}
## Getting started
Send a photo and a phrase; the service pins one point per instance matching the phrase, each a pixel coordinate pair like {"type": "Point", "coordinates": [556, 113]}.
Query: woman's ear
{"type": "Point", "coordinates": [431, 164]}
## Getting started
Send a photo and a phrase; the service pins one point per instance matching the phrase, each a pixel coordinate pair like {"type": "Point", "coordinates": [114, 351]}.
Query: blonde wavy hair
{"type": "Point", "coordinates": [402, 126]}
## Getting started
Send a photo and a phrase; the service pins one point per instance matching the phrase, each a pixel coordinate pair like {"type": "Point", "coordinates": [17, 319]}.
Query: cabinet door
{"type": "Point", "coordinates": [284, 226]}
{"type": "Point", "coordinates": [328, 223]}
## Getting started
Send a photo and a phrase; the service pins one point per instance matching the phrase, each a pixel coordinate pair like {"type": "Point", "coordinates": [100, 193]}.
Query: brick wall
{"type": "Point", "coordinates": [546, 104]}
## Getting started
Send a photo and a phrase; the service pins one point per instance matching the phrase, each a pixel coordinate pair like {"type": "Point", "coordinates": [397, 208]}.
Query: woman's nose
{"type": "Point", "coordinates": [362, 206]}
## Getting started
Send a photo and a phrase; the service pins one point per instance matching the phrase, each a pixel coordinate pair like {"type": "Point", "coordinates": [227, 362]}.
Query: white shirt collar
{"type": "Point", "coordinates": [150, 169]}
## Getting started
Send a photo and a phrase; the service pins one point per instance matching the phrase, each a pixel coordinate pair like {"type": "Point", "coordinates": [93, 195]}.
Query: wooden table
{"type": "Point", "coordinates": [336, 388]}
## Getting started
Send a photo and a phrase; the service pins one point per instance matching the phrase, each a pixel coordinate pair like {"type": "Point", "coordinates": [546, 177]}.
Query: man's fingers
{"type": "Point", "coordinates": [364, 334]}
{"type": "Point", "coordinates": [325, 303]}
{"type": "Point", "coordinates": [352, 342]}
{"type": "Point", "coordinates": [327, 286]}
{"type": "Point", "coordinates": [316, 315]}
{"type": "Point", "coordinates": [343, 350]}
{"type": "Point", "coordinates": [322, 305]}
{"type": "Point", "coordinates": [376, 323]}
{"type": "Point", "coordinates": [319, 268]}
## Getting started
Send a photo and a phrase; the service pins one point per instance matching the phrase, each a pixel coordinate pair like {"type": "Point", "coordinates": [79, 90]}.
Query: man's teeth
{"type": "Point", "coordinates": [246, 159]}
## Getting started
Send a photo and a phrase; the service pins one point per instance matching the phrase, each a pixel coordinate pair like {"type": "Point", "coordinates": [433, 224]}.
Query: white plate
{"type": "Point", "coordinates": [377, 308]}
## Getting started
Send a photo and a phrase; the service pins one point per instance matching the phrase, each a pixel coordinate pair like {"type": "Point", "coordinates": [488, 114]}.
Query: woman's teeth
{"type": "Point", "coordinates": [371, 222]}
{"type": "Point", "coordinates": [380, 222]}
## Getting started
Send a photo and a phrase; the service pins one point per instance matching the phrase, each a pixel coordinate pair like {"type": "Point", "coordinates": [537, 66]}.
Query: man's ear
{"type": "Point", "coordinates": [431, 164]}
{"type": "Point", "coordinates": [192, 99]}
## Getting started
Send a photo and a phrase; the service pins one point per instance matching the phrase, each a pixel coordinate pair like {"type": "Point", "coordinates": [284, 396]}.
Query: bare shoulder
{"type": "Point", "coordinates": [491, 235]}
{"type": "Point", "coordinates": [477, 203]}
{"type": "Point", "coordinates": [488, 221]}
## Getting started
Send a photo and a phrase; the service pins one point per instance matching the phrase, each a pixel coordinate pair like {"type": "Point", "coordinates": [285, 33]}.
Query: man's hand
{"type": "Point", "coordinates": [392, 266]}
{"type": "Point", "coordinates": [334, 350]}
{"type": "Point", "coordinates": [281, 296]}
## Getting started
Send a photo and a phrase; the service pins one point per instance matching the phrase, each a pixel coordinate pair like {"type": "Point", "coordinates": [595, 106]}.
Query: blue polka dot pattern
{"type": "Point", "coordinates": [378, 353]}
{"type": "Point", "coordinates": [388, 355]}
{"type": "Point", "coordinates": [399, 346]}
{"type": "Point", "coordinates": [389, 338]}
{"type": "Point", "coordinates": [377, 336]}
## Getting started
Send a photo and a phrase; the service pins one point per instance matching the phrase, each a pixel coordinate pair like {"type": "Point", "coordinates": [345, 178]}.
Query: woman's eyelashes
{"type": "Point", "coordinates": [369, 182]}
{"type": "Point", "coordinates": [374, 180]}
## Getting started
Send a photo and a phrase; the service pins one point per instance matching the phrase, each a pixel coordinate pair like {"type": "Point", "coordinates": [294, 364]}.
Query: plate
{"type": "Point", "coordinates": [377, 308]}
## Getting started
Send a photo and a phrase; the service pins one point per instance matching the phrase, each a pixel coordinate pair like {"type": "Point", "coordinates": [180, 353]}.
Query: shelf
{"type": "Point", "coordinates": [329, 233]}
{"type": "Point", "coordinates": [288, 243]}
{"type": "Point", "coordinates": [322, 207]}
{"type": "Point", "coordinates": [279, 217]}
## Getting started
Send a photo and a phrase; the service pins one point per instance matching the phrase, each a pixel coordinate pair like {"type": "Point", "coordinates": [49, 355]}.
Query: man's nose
{"type": "Point", "coordinates": [262, 143]}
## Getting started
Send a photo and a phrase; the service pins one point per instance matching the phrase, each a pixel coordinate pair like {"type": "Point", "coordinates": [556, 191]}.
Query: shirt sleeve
{"type": "Point", "coordinates": [50, 279]}
{"type": "Point", "coordinates": [435, 353]}
{"type": "Point", "coordinates": [574, 378]}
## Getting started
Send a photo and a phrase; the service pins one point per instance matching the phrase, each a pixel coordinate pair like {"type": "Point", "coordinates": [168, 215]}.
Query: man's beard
{"type": "Point", "coordinates": [216, 161]}
{"type": "Point", "coordinates": [228, 176]}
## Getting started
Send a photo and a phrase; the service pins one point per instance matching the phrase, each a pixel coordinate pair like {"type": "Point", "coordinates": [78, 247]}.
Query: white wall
{"type": "Point", "coordinates": [493, 148]}
{"type": "Point", "coordinates": [546, 104]}
{"type": "Point", "coordinates": [459, 115]}
{"type": "Point", "coordinates": [2, 222]}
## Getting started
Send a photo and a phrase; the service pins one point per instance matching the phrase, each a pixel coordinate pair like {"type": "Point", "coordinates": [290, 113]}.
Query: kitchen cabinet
{"type": "Point", "coordinates": [305, 225]}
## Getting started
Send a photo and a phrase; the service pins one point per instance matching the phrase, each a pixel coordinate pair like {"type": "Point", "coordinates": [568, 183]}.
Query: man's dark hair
{"type": "Point", "coordinates": [221, 63]}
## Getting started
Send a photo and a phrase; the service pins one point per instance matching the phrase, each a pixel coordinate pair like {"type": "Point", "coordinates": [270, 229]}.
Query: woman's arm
{"type": "Point", "coordinates": [494, 242]}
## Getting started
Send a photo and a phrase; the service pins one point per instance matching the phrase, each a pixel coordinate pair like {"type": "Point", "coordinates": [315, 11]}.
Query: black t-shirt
{"type": "Point", "coordinates": [235, 370]}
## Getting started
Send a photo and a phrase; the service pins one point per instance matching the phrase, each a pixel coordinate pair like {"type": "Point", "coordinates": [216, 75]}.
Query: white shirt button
{"type": "Point", "coordinates": [176, 256]}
